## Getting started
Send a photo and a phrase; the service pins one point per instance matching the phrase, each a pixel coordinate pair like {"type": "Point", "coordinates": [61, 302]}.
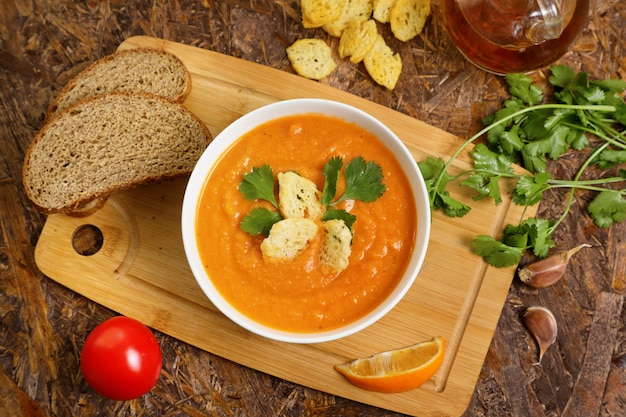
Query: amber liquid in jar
{"type": "Point", "coordinates": [490, 37]}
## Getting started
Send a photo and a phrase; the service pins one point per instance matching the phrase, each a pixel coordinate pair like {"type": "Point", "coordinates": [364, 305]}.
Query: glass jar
{"type": "Point", "coordinates": [503, 36]}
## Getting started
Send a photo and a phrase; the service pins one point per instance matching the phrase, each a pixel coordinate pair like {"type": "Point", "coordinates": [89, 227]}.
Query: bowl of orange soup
{"type": "Point", "coordinates": [305, 221]}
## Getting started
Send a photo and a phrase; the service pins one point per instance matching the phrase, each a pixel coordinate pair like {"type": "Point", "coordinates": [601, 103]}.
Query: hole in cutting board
{"type": "Point", "coordinates": [87, 240]}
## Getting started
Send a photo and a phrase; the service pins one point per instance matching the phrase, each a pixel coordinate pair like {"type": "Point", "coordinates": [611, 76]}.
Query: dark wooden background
{"type": "Point", "coordinates": [43, 43]}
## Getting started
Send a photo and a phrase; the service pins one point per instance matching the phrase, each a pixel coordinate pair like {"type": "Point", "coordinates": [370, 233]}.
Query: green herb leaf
{"type": "Point", "coordinates": [608, 207]}
{"type": "Point", "coordinates": [610, 157]}
{"type": "Point", "coordinates": [432, 169]}
{"type": "Point", "coordinates": [489, 167]}
{"type": "Point", "coordinates": [620, 114]}
{"type": "Point", "coordinates": [331, 177]}
{"type": "Point", "coordinates": [561, 75]}
{"type": "Point", "coordinates": [259, 184]}
{"type": "Point", "coordinates": [539, 235]}
{"type": "Point", "coordinates": [594, 95]}
{"type": "Point", "coordinates": [522, 86]}
{"type": "Point", "coordinates": [534, 163]}
{"type": "Point", "coordinates": [259, 221]}
{"type": "Point", "coordinates": [508, 142]}
{"type": "Point", "coordinates": [573, 85]}
{"type": "Point", "coordinates": [611, 85]}
{"type": "Point", "coordinates": [452, 207]}
{"type": "Point", "coordinates": [495, 252]}
{"type": "Point", "coordinates": [515, 236]}
{"type": "Point", "coordinates": [485, 186]}
{"type": "Point", "coordinates": [487, 160]}
{"type": "Point", "coordinates": [533, 127]}
{"type": "Point", "coordinates": [364, 181]}
{"type": "Point", "coordinates": [339, 214]}
{"type": "Point", "coordinates": [515, 240]}
{"type": "Point", "coordinates": [577, 139]}
{"type": "Point", "coordinates": [529, 189]}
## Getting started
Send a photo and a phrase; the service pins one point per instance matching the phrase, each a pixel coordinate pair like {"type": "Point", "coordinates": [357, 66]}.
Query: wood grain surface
{"type": "Point", "coordinates": [141, 271]}
{"type": "Point", "coordinates": [43, 43]}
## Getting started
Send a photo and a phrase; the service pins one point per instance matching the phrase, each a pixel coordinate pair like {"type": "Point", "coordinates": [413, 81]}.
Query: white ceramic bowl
{"type": "Point", "coordinates": [285, 108]}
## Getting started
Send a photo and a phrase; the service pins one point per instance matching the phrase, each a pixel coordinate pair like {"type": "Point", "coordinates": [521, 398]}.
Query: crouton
{"type": "Point", "coordinates": [336, 246]}
{"type": "Point", "coordinates": [353, 11]}
{"type": "Point", "coordinates": [288, 238]}
{"type": "Point", "coordinates": [382, 9]}
{"type": "Point", "coordinates": [316, 13]}
{"type": "Point", "coordinates": [311, 58]}
{"type": "Point", "coordinates": [408, 17]}
{"type": "Point", "coordinates": [357, 40]}
{"type": "Point", "coordinates": [382, 64]}
{"type": "Point", "coordinates": [298, 197]}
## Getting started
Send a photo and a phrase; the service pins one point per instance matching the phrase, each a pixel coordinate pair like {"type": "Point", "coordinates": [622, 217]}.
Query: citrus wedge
{"type": "Point", "coordinates": [396, 370]}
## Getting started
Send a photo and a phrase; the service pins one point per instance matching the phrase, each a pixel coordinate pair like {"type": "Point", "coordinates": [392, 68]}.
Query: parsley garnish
{"type": "Point", "coordinates": [529, 133]}
{"type": "Point", "coordinates": [331, 178]}
{"type": "Point", "coordinates": [259, 221]}
{"type": "Point", "coordinates": [259, 184]}
{"type": "Point", "coordinates": [363, 182]}
{"type": "Point", "coordinates": [339, 214]}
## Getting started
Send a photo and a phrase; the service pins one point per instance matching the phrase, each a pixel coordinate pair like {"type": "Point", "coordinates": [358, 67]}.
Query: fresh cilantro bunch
{"type": "Point", "coordinates": [364, 181]}
{"type": "Point", "coordinates": [529, 131]}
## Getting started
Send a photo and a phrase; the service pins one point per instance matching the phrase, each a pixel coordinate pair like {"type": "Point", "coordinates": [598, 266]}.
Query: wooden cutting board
{"type": "Point", "coordinates": [141, 270]}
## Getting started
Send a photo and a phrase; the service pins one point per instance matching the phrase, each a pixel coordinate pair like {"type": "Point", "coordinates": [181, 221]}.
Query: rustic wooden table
{"type": "Point", "coordinates": [43, 43]}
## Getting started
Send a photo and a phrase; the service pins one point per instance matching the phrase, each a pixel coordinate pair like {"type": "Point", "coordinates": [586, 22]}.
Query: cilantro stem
{"type": "Point", "coordinates": [578, 187]}
{"type": "Point", "coordinates": [584, 184]}
{"type": "Point", "coordinates": [484, 171]}
{"type": "Point", "coordinates": [605, 125]}
{"type": "Point", "coordinates": [576, 179]}
{"type": "Point", "coordinates": [613, 140]}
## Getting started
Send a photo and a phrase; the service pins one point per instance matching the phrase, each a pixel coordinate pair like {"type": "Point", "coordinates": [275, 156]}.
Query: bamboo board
{"type": "Point", "coordinates": [141, 270]}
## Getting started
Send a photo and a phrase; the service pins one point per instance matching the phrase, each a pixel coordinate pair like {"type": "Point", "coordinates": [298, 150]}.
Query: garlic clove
{"type": "Point", "coordinates": [547, 271]}
{"type": "Point", "coordinates": [542, 325]}
{"type": "Point", "coordinates": [543, 273]}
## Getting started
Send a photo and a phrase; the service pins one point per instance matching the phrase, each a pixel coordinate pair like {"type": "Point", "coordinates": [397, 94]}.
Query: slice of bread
{"type": "Point", "coordinates": [108, 143]}
{"type": "Point", "coordinates": [134, 70]}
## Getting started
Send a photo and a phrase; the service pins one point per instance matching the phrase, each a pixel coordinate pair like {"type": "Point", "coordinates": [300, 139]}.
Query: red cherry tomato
{"type": "Point", "coordinates": [121, 359]}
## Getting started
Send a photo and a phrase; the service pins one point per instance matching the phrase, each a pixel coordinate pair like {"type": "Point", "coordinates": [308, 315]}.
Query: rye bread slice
{"type": "Point", "coordinates": [108, 143]}
{"type": "Point", "coordinates": [135, 70]}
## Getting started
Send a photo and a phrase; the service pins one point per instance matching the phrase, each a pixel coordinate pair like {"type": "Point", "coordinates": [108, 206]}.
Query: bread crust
{"type": "Point", "coordinates": [118, 56]}
{"type": "Point", "coordinates": [88, 204]}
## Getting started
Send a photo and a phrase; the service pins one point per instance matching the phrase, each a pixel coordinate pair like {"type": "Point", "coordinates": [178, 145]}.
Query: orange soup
{"type": "Point", "coordinates": [298, 295]}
